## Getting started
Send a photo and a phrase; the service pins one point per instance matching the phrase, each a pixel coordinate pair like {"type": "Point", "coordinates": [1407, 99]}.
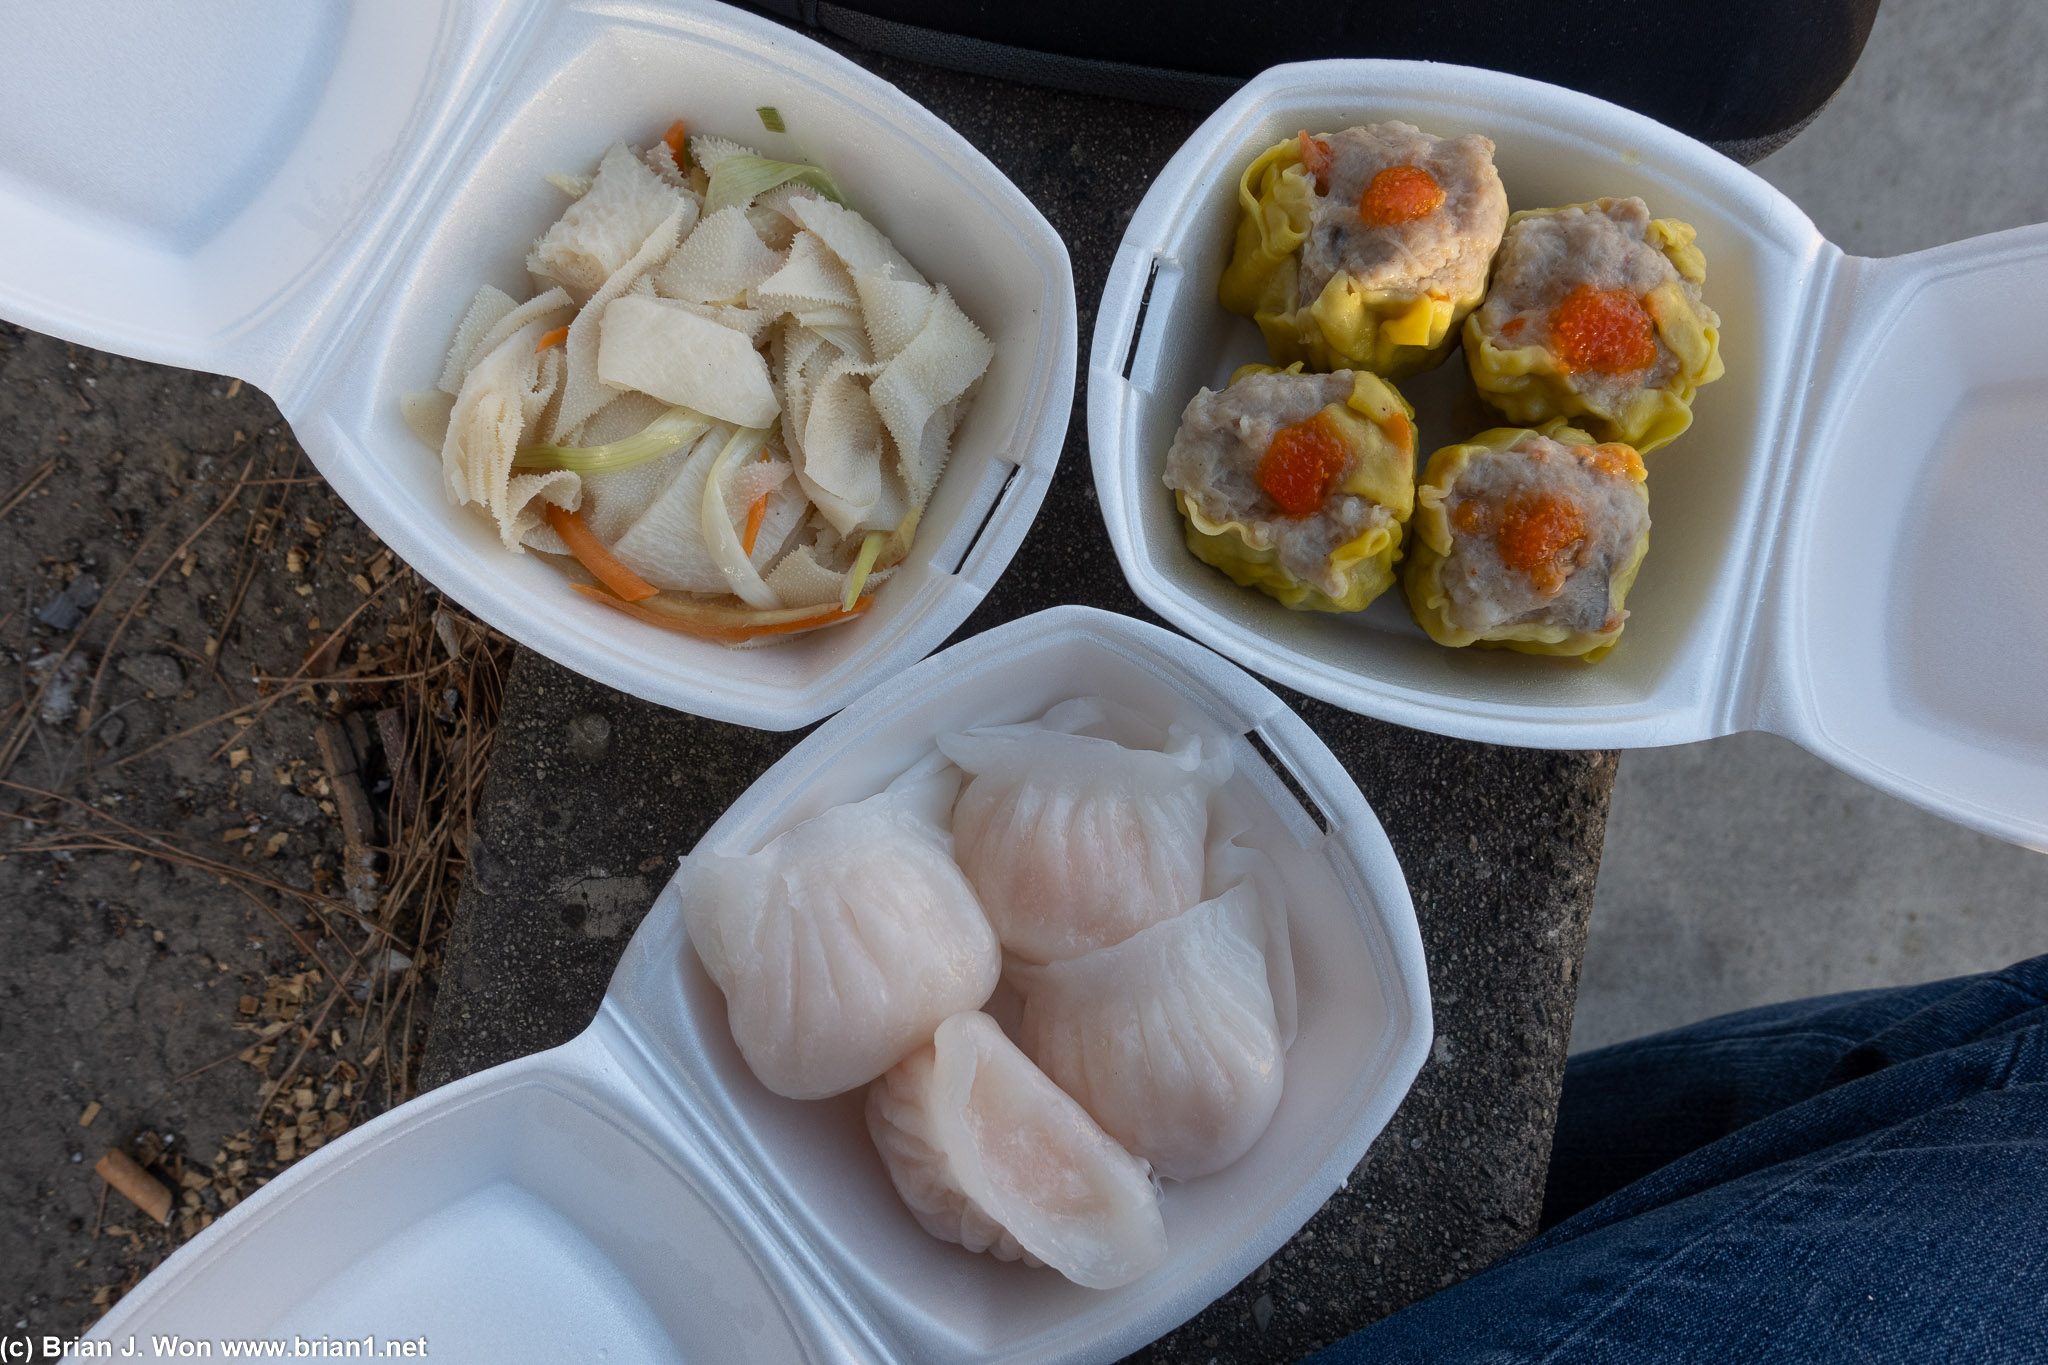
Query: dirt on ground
{"type": "Point", "coordinates": [239, 748]}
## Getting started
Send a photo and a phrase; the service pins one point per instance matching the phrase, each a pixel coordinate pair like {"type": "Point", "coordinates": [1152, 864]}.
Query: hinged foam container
{"type": "Point", "coordinates": [306, 196]}
{"type": "Point", "coordinates": [1847, 548]}
{"type": "Point", "coordinates": [636, 1195]}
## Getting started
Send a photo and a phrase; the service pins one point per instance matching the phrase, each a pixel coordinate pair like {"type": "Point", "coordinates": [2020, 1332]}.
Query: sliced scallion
{"type": "Point", "coordinates": [863, 565]}
{"type": "Point", "coordinates": [740, 179]}
{"type": "Point", "coordinates": [676, 427]}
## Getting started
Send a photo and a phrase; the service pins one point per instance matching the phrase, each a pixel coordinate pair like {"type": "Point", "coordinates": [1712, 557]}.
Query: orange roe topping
{"type": "Point", "coordinates": [1469, 517]}
{"type": "Point", "coordinates": [1400, 194]}
{"type": "Point", "coordinates": [1612, 458]}
{"type": "Point", "coordinates": [1315, 159]}
{"type": "Point", "coordinates": [1537, 536]}
{"type": "Point", "coordinates": [1513, 326]}
{"type": "Point", "coordinates": [1605, 331]}
{"type": "Point", "coordinates": [1302, 465]}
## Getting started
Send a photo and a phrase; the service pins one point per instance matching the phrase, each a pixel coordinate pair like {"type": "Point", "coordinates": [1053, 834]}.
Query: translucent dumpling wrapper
{"type": "Point", "coordinates": [989, 1153]}
{"type": "Point", "coordinates": [843, 944]}
{"type": "Point", "coordinates": [1529, 540]}
{"type": "Point", "coordinates": [1172, 1040]}
{"type": "Point", "coordinates": [1074, 840]}
{"type": "Point", "coordinates": [1338, 289]}
{"type": "Point", "coordinates": [1336, 550]}
{"type": "Point", "coordinates": [1596, 315]}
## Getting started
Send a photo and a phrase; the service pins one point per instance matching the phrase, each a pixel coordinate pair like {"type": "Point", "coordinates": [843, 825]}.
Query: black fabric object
{"type": "Point", "coordinates": [1743, 75]}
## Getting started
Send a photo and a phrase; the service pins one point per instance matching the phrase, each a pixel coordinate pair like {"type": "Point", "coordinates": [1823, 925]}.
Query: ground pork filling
{"type": "Point", "coordinates": [1445, 251]}
{"type": "Point", "coordinates": [1215, 459]}
{"type": "Point", "coordinates": [1537, 532]}
{"type": "Point", "coordinates": [1543, 260]}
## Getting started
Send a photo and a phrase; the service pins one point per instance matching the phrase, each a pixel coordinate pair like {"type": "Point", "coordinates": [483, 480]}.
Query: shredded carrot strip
{"type": "Point", "coordinates": [547, 339]}
{"type": "Point", "coordinates": [725, 624]}
{"type": "Point", "coordinates": [754, 515]}
{"type": "Point", "coordinates": [592, 555]}
{"type": "Point", "coordinates": [677, 139]}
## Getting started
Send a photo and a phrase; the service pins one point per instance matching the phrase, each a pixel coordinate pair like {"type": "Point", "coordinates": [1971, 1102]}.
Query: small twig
{"type": "Point", "coordinates": [356, 680]}
{"type": "Point", "coordinates": [17, 740]}
{"type": "Point", "coordinates": [248, 575]}
{"type": "Point", "coordinates": [244, 708]}
{"type": "Point", "coordinates": [28, 486]}
{"type": "Point", "coordinates": [292, 932]}
{"type": "Point", "coordinates": [107, 652]}
{"type": "Point", "coordinates": [170, 853]}
{"type": "Point", "coordinates": [289, 685]}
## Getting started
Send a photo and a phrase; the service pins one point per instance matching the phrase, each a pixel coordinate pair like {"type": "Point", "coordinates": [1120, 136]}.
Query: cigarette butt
{"type": "Point", "coordinates": [92, 1111]}
{"type": "Point", "coordinates": [138, 1186]}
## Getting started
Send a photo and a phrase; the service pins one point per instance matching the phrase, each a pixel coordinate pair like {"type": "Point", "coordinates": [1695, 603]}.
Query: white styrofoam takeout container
{"type": "Point", "coordinates": [306, 197]}
{"type": "Point", "coordinates": [637, 1192]}
{"type": "Point", "coordinates": [1847, 546]}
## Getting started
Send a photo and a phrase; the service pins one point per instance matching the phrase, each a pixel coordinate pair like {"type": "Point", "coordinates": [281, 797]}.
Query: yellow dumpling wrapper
{"type": "Point", "coordinates": [1345, 327]}
{"type": "Point", "coordinates": [1530, 385]}
{"type": "Point", "coordinates": [1422, 575]}
{"type": "Point", "coordinates": [1378, 426]}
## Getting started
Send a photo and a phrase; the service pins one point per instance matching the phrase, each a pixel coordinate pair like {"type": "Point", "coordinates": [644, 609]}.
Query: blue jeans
{"type": "Point", "coordinates": [1859, 1177]}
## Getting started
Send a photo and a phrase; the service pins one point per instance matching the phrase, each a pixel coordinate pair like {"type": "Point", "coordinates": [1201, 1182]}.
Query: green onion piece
{"type": "Point", "coordinates": [676, 427]}
{"type": "Point", "coordinates": [857, 577]}
{"type": "Point", "coordinates": [771, 118]}
{"type": "Point", "coordinates": [739, 179]}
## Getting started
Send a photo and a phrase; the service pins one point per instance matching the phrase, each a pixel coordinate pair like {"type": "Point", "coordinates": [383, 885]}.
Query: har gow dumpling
{"type": "Point", "coordinates": [1173, 1039]}
{"type": "Point", "coordinates": [989, 1153]}
{"type": "Point", "coordinates": [845, 942]}
{"type": "Point", "coordinates": [1074, 841]}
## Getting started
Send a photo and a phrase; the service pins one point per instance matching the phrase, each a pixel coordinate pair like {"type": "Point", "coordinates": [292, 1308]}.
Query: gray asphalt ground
{"type": "Point", "coordinates": [1744, 871]}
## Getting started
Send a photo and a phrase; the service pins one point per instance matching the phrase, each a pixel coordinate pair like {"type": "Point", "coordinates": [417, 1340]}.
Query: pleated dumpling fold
{"type": "Point", "coordinates": [1075, 841]}
{"type": "Point", "coordinates": [842, 944]}
{"type": "Point", "coordinates": [1174, 1040]}
{"type": "Point", "coordinates": [989, 1153]}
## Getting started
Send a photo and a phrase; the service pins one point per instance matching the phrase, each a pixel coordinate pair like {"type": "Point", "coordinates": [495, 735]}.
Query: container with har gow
{"type": "Point", "coordinates": [641, 1188]}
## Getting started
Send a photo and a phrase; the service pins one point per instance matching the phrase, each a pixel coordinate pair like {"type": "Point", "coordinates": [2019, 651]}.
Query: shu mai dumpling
{"type": "Point", "coordinates": [1362, 249]}
{"type": "Point", "coordinates": [989, 1153]}
{"type": "Point", "coordinates": [842, 944]}
{"type": "Point", "coordinates": [1074, 841]}
{"type": "Point", "coordinates": [1174, 1040]}
{"type": "Point", "coordinates": [1528, 540]}
{"type": "Point", "coordinates": [1595, 314]}
{"type": "Point", "coordinates": [1299, 485]}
